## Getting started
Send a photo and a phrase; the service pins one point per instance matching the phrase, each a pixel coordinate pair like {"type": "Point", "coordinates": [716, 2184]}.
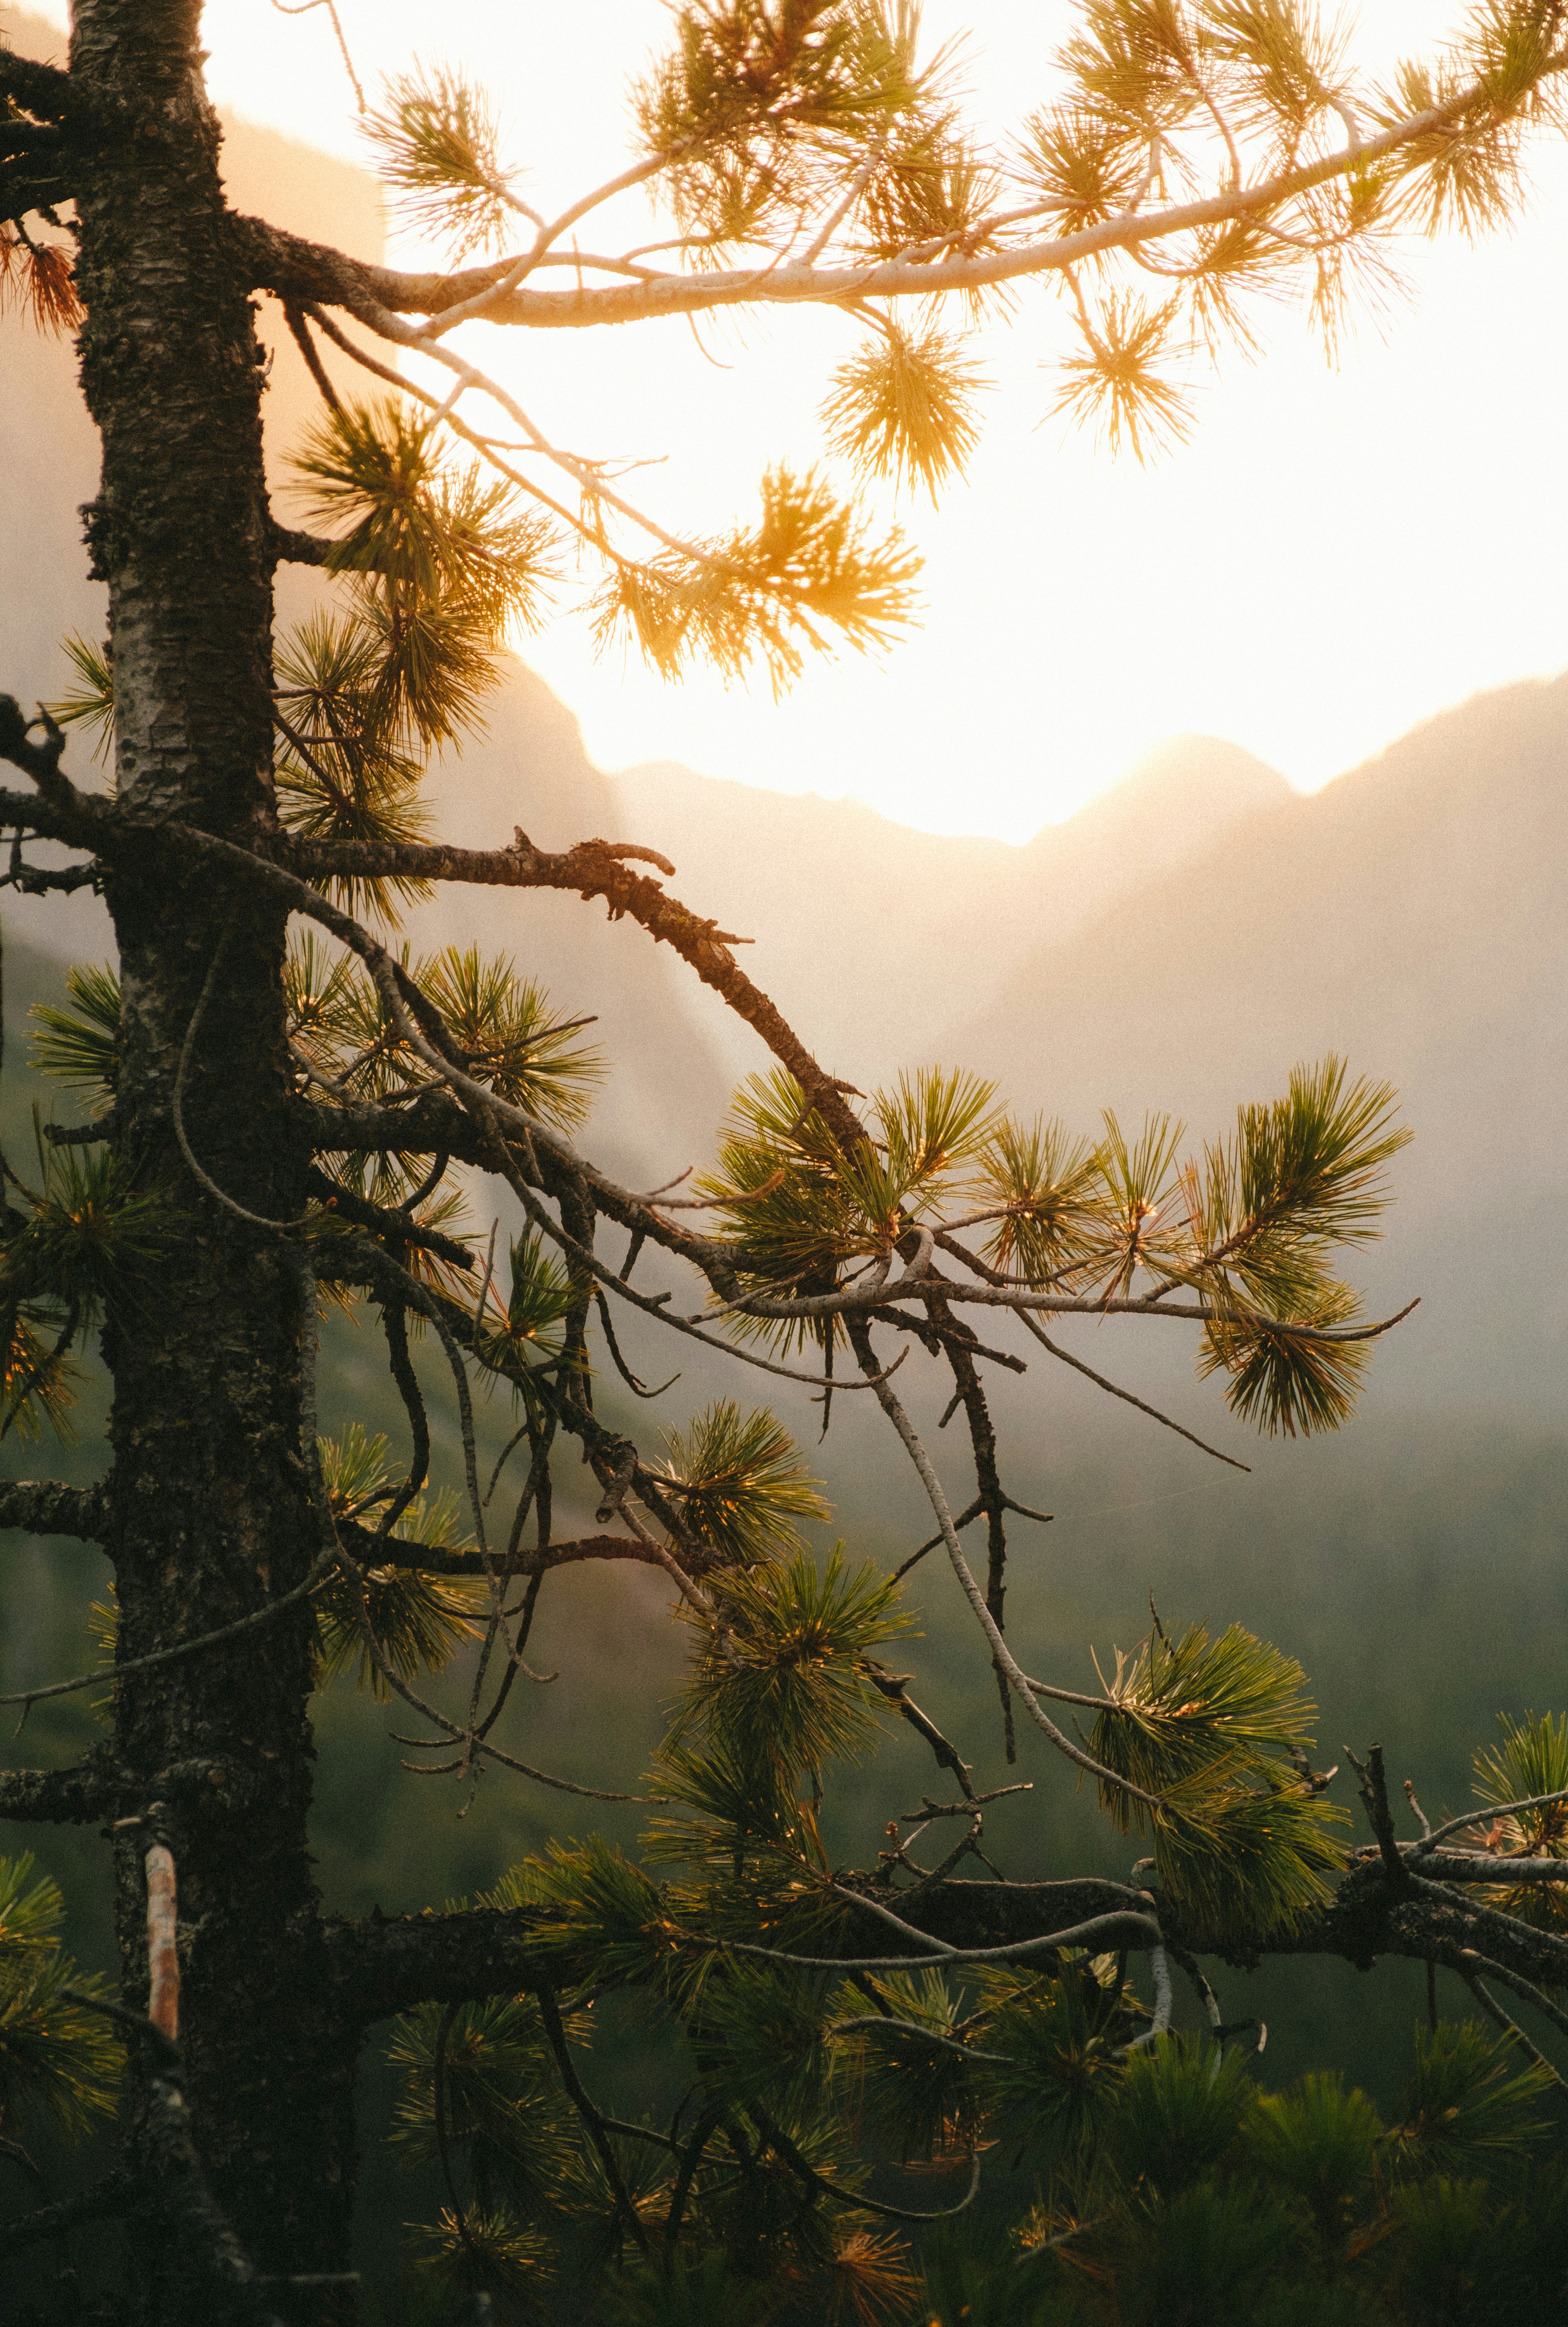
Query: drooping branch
{"type": "Point", "coordinates": [396, 1225]}
{"type": "Point", "coordinates": [434, 1559]}
{"type": "Point", "coordinates": [593, 868]}
{"type": "Point", "coordinates": [888, 1399]}
{"type": "Point", "coordinates": [956, 1342]}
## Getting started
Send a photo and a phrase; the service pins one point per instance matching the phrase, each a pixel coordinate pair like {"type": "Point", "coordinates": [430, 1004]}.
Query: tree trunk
{"type": "Point", "coordinates": [209, 1514]}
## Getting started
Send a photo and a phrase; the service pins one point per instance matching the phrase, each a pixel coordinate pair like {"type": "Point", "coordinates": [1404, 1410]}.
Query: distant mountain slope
{"type": "Point", "coordinates": [870, 935]}
{"type": "Point", "coordinates": [1414, 916]}
{"type": "Point", "coordinates": [49, 456]}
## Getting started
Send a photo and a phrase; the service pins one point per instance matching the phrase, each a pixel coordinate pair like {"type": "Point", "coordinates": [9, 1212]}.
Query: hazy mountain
{"type": "Point", "coordinates": [49, 454]}
{"type": "Point", "coordinates": [869, 936]}
{"type": "Point", "coordinates": [1413, 916]}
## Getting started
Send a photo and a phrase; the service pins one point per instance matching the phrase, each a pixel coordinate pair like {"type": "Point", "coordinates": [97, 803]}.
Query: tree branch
{"type": "Point", "coordinates": [115, 2194]}
{"type": "Point", "coordinates": [58, 1797]}
{"type": "Point", "coordinates": [363, 1544]}
{"type": "Point", "coordinates": [593, 868]}
{"type": "Point", "coordinates": [44, 90]}
{"type": "Point", "coordinates": [396, 1225]}
{"type": "Point", "coordinates": [45, 1506]}
{"type": "Point", "coordinates": [297, 269]}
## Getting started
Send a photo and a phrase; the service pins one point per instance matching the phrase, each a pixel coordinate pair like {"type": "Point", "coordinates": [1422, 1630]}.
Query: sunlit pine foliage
{"type": "Point", "coordinates": [1044, 1192]}
{"type": "Point", "coordinates": [438, 148]}
{"type": "Point", "coordinates": [806, 578]}
{"type": "Point", "coordinates": [339, 771]}
{"type": "Point", "coordinates": [1265, 1210]}
{"type": "Point", "coordinates": [825, 134]}
{"type": "Point", "coordinates": [1121, 384]}
{"type": "Point", "coordinates": [903, 407]}
{"type": "Point", "coordinates": [1530, 1757]}
{"type": "Point", "coordinates": [500, 1020]}
{"type": "Point", "coordinates": [90, 705]}
{"type": "Point", "coordinates": [526, 1329]}
{"type": "Point", "coordinates": [444, 558]}
{"type": "Point", "coordinates": [780, 1676]}
{"type": "Point", "coordinates": [595, 1918]}
{"type": "Point", "coordinates": [485, 2251]}
{"type": "Point", "coordinates": [757, 104]}
{"type": "Point", "coordinates": [77, 1046]}
{"type": "Point", "coordinates": [39, 278]}
{"type": "Point", "coordinates": [801, 1207]}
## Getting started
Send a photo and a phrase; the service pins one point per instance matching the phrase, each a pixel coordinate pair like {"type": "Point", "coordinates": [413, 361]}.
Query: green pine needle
{"type": "Point", "coordinates": [91, 704]}
{"type": "Point", "coordinates": [740, 1484]}
{"type": "Point", "coordinates": [438, 141]}
{"type": "Point", "coordinates": [81, 1046]}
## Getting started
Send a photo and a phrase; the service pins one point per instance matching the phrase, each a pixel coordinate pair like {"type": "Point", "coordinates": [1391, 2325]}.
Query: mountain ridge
{"type": "Point", "coordinates": [895, 908]}
{"type": "Point", "coordinates": [1412, 915]}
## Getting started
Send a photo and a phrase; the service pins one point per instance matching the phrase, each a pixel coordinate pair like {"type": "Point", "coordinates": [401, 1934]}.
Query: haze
{"type": "Point", "coordinates": [1333, 557]}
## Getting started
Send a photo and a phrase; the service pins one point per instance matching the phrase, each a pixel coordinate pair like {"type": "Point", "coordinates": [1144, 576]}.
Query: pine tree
{"type": "Point", "coordinates": [279, 1092]}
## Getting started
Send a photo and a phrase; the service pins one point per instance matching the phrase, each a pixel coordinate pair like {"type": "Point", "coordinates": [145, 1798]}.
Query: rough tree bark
{"type": "Point", "coordinates": [207, 1512]}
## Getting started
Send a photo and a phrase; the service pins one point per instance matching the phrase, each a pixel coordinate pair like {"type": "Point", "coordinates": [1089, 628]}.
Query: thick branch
{"type": "Point", "coordinates": [96, 1789]}
{"type": "Point", "coordinates": [386, 1967]}
{"type": "Point", "coordinates": [57, 1797]}
{"type": "Point", "coordinates": [44, 1507]}
{"type": "Point", "coordinates": [432, 1125]}
{"type": "Point", "coordinates": [297, 269]}
{"type": "Point", "coordinates": [41, 89]}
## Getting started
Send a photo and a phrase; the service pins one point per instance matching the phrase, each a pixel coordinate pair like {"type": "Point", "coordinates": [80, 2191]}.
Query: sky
{"type": "Point", "coordinates": [1334, 555]}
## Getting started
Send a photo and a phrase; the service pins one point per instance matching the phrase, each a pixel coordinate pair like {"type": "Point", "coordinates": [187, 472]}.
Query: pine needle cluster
{"type": "Point", "coordinates": [1251, 1224]}
{"type": "Point", "coordinates": [1217, 1731]}
{"type": "Point", "coordinates": [84, 1245]}
{"type": "Point", "coordinates": [59, 2063]}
